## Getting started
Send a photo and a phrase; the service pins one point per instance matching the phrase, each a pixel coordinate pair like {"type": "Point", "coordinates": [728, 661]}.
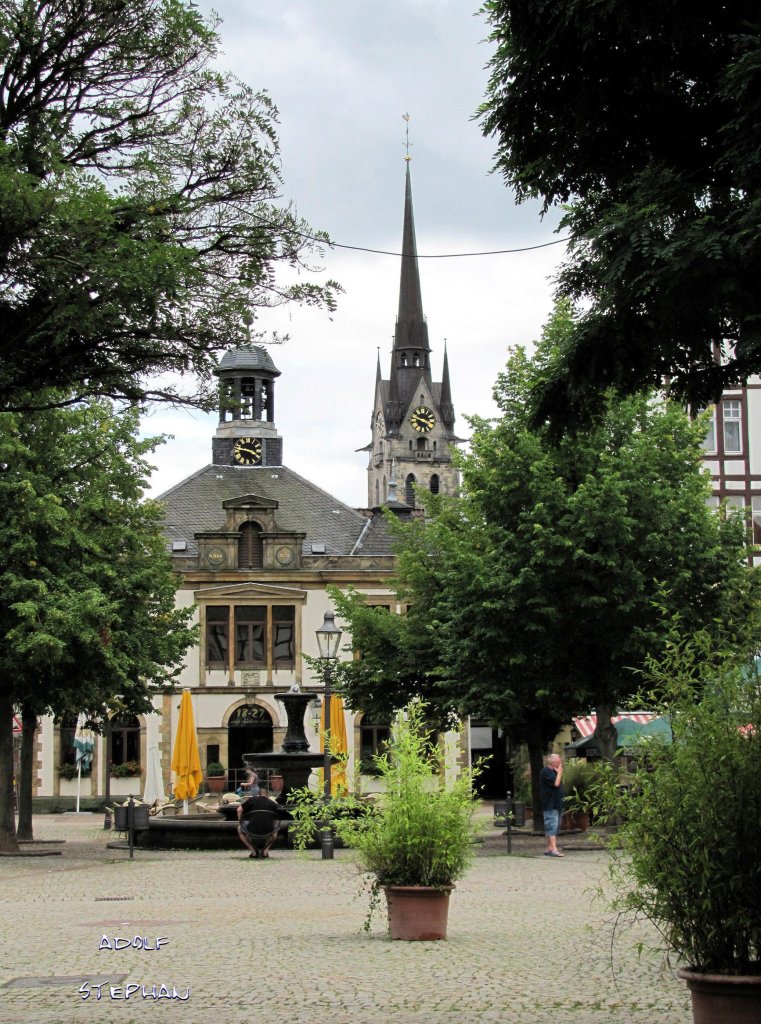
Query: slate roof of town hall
{"type": "Point", "coordinates": [195, 506]}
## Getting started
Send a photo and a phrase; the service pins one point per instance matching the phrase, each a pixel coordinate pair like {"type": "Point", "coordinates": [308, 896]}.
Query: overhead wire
{"type": "Point", "coordinates": [436, 255]}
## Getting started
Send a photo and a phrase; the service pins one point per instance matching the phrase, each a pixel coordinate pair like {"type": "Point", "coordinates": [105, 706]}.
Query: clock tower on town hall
{"type": "Point", "coordinates": [413, 416]}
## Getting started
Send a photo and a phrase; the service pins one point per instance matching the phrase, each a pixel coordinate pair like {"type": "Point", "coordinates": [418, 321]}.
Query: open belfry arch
{"type": "Point", "coordinates": [413, 416]}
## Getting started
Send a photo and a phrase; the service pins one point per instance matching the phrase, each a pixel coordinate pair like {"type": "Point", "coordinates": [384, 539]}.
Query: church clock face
{"type": "Point", "coordinates": [422, 419]}
{"type": "Point", "coordinates": [247, 451]}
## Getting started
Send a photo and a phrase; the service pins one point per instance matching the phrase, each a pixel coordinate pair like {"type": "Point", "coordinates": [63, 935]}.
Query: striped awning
{"type": "Point", "coordinates": [586, 725]}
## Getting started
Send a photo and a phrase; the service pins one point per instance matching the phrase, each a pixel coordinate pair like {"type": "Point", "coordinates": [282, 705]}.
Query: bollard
{"type": "Point", "coordinates": [509, 803]}
{"type": "Point", "coordinates": [131, 826]}
{"type": "Point", "coordinates": [327, 845]}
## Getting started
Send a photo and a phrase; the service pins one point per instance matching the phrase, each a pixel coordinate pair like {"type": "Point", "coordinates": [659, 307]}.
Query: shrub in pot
{"type": "Point", "coordinates": [578, 776]}
{"type": "Point", "coordinates": [687, 847]}
{"type": "Point", "coordinates": [216, 777]}
{"type": "Point", "coordinates": [417, 840]}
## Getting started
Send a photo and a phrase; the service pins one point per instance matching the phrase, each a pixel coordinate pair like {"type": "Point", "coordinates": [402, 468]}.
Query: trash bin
{"type": "Point", "coordinates": [141, 815]}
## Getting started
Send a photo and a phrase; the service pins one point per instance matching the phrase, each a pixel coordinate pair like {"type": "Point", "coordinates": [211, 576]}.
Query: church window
{"type": "Point", "coordinates": [434, 446]}
{"type": "Point", "coordinates": [415, 359]}
{"type": "Point", "coordinates": [377, 492]}
{"type": "Point", "coordinates": [250, 635]}
{"type": "Point", "coordinates": [410, 445]}
{"type": "Point", "coordinates": [404, 358]}
{"type": "Point", "coordinates": [250, 547]}
{"type": "Point", "coordinates": [422, 444]}
{"type": "Point", "coordinates": [409, 490]}
{"type": "Point", "coordinates": [435, 483]}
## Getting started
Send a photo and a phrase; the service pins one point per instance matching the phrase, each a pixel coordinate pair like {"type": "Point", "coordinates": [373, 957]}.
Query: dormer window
{"type": "Point", "coordinates": [250, 547]}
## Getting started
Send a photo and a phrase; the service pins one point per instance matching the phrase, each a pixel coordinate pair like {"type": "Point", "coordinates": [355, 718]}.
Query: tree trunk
{"type": "Point", "coordinates": [535, 745]}
{"type": "Point", "coordinates": [26, 769]}
{"type": "Point", "coordinates": [8, 843]}
{"type": "Point", "coordinates": [605, 732]}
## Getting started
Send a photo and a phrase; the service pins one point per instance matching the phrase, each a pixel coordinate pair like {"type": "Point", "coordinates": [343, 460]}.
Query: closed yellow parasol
{"type": "Point", "coordinates": [186, 764]}
{"type": "Point", "coordinates": [338, 743]}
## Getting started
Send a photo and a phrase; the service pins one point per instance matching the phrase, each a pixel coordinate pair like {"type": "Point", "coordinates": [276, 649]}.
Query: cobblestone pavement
{"type": "Point", "coordinates": [281, 941]}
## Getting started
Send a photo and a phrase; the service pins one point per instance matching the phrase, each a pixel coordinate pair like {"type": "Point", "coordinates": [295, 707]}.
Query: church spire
{"type": "Point", "coordinates": [447, 409]}
{"type": "Point", "coordinates": [410, 296]}
{"type": "Point", "coordinates": [410, 359]}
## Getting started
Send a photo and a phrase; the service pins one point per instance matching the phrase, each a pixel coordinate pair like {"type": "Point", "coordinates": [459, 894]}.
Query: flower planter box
{"type": "Point", "coordinates": [130, 786]}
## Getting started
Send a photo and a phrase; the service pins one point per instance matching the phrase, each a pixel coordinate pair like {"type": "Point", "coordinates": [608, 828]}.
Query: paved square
{"type": "Point", "coordinates": [281, 942]}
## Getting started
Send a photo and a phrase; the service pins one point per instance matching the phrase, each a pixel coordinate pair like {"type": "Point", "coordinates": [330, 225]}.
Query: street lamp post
{"type": "Point", "coordinates": [328, 641]}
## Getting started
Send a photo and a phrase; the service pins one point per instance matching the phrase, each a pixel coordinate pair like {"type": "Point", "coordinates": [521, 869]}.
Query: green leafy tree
{"type": "Point", "coordinates": [535, 595]}
{"type": "Point", "coordinates": [141, 225]}
{"type": "Point", "coordinates": [88, 618]}
{"type": "Point", "coordinates": [644, 119]}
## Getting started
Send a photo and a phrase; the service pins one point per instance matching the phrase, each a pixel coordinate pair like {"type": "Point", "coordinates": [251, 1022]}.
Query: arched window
{"type": "Point", "coordinates": [415, 359]}
{"type": "Point", "coordinates": [422, 444]}
{"type": "Point", "coordinates": [374, 734]}
{"type": "Point", "coordinates": [250, 547]}
{"type": "Point", "coordinates": [435, 483]}
{"type": "Point", "coordinates": [125, 740]}
{"type": "Point", "coordinates": [409, 490]}
{"type": "Point", "coordinates": [68, 729]}
{"type": "Point", "coordinates": [377, 492]}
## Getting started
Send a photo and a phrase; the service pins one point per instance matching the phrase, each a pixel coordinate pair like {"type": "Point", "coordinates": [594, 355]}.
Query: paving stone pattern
{"type": "Point", "coordinates": [281, 941]}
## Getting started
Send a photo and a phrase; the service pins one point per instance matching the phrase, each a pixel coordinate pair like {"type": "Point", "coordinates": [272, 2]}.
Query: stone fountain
{"type": "Point", "coordinates": [294, 762]}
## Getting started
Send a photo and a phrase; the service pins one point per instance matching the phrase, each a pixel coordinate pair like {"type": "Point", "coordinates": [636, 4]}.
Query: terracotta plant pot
{"type": "Point", "coordinates": [216, 783]}
{"type": "Point", "coordinates": [723, 998]}
{"type": "Point", "coordinates": [417, 912]}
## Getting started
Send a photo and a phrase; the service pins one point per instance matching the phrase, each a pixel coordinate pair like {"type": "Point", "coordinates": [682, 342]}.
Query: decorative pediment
{"type": "Point", "coordinates": [251, 591]}
{"type": "Point", "coordinates": [250, 501]}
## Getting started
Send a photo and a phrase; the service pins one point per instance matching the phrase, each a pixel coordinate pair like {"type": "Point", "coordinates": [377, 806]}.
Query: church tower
{"type": "Point", "coordinates": [413, 416]}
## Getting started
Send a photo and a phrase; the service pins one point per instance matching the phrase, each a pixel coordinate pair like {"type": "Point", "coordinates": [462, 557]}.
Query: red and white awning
{"type": "Point", "coordinates": [586, 725]}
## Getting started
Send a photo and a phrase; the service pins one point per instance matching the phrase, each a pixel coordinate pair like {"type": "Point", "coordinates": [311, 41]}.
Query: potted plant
{"type": "Point", "coordinates": [67, 771]}
{"type": "Point", "coordinates": [686, 850]}
{"type": "Point", "coordinates": [578, 776]}
{"type": "Point", "coordinates": [417, 840]}
{"type": "Point", "coordinates": [126, 770]}
{"type": "Point", "coordinates": [216, 777]}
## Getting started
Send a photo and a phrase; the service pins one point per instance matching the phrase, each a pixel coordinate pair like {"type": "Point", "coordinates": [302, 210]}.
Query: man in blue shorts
{"type": "Point", "coordinates": [551, 792]}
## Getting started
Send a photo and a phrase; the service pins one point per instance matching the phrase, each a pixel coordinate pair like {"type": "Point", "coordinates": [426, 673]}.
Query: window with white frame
{"type": "Point", "coordinates": [732, 417]}
{"type": "Point", "coordinates": [709, 441]}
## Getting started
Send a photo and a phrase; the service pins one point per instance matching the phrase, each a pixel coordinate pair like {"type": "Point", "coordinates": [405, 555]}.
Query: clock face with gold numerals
{"type": "Point", "coordinates": [247, 451]}
{"type": "Point", "coordinates": [422, 419]}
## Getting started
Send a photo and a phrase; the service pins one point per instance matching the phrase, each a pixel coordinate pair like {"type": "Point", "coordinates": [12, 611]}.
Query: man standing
{"type": "Point", "coordinates": [551, 792]}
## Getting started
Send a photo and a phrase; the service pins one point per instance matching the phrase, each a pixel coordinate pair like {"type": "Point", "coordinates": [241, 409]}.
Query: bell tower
{"type": "Point", "coordinates": [246, 435]}
{"type": "Point", "coordinates": [413, 417]}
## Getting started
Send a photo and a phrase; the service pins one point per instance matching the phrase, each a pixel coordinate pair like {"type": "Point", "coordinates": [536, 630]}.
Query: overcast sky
{"type": "Point", "coordinates": [342, 73]}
